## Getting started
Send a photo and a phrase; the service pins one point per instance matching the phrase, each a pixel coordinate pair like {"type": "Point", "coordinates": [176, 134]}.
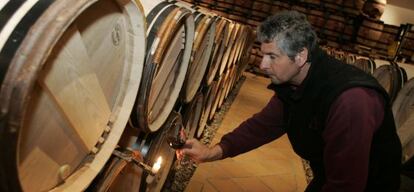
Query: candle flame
{"type": "Point", "coordinates": [157, 165]}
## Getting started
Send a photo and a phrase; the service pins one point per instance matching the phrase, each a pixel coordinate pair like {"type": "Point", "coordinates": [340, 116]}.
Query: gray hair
{"type": "Point", "coordinates": [290, 30]}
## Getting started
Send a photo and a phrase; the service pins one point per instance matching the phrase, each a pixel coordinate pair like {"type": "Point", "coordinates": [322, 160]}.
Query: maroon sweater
{"type": "Point", "coordinates": [353, 118]}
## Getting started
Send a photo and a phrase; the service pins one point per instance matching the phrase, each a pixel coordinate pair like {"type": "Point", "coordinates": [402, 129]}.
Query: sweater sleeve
{"type": "Point", "coordinates": [258, 130]}
{"type": "Point", "coordinates": [352, 120]}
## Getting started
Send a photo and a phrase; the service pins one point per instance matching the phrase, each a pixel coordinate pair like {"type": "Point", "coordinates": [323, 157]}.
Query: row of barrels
{"type": "Point", "coordinates": [351, 25]}
{"type": "Point", "coordinates": [92, 88]}
{"type": "Point", "coordinates": [247, 12]}
{"type": "Point", "coordinates": [398, 80]}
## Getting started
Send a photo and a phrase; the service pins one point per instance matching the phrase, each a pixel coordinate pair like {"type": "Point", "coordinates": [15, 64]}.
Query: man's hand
{"type": "Point", "coordinates": [198, 152]}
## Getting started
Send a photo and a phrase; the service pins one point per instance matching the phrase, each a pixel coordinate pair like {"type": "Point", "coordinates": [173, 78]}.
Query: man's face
{"type": "Point", "coordinates": [277, 64]}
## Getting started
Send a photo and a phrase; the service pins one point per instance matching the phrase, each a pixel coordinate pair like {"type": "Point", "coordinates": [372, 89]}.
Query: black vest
{"type": "Point", "coordinates": [306, 110]}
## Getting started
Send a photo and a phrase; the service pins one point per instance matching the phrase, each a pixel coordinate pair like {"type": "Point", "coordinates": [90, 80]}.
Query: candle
{"type": "Point", "coordinates": [157, 165]}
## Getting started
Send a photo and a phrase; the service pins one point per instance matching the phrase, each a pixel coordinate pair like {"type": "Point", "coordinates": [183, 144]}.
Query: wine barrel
{"type": "Point", "coordinates": [213, 98]}
{"type": "Point", "coordinates": [233, 27]}
{"type": "Point", "coordinates": [232, 78]}
{"type": "Point", "coordinates": [404, 117]}
{"type": "Point", "coordinates": [192, 115]}
{"type": "Point", "coordinates": [221, 91]}
{"type": "Point", "coordinates": [119, 174]}
{"type": "Point", "coordinates": [122, 175]}
{"type": "Point", "coordinates": [199, 133]}
{"type": "Point", "coordinates": [170, 38]}
{"type": "Point", "coordinates": [235, 46]}
{"type": "Point", "coordinates": [365, 64]}
{"type": "Point", "coordinates": [374, 8]}
{"type": "Point", "coordinates": [209, 94]}
{"type": "Point", "coordinates": [158, 147]}
{"type": "Point", "coordinates": [350, 59]}
{"type": "Point", "coordinates": [391, 78]}
{"type": "Point", "coordinates": [219, 47]}
{"type": "Point", "coordinates": [201, 53]}
{"type": "Point", "coordinates": [246, 57]}
{"type": "Point", "coordinates": [226, 87]}
{"type": "Point", "coordinates": [71, 70]}
{"type": "Point", "coordinates": [369, 32]}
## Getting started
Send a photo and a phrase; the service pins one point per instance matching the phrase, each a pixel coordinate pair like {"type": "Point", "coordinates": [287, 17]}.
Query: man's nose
{"type": "Point", "coordinates": [264, 64]}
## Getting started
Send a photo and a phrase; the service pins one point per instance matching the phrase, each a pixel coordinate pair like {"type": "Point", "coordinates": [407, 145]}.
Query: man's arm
{"type": "Point", "coordinates": [261, 128]}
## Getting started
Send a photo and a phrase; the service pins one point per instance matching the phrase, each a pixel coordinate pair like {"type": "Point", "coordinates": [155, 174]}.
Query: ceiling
{"type": "Point", "coordinates": [409, 4]}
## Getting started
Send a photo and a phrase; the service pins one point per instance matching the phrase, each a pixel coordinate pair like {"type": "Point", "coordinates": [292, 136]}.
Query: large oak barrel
{"type": "Point", "coordinates": [218, 94]}
{"type": "Point", "coordinates": [71, 71]}
{"type": "Point", "coordinates": [230, 40]}
{"type": "Point", "coordinates": [224, 88]}
{"type": "Point", "coordinates": [369, 32]}
{"type": "Point", "coordinates": [391, 77]}
{"type": "Point", "coordinates": [201, 53]}
{"type": "Point", "coordinates": [119, 174]}
{"type": "Point", "coordinates": [170, 38]}
{"type": "Point", "coordinates": [212, 98]}
{"type": "Point", "coordinates": [159, 147]}
{"type": "Point", "coordinates": [210, 93]}
{"type": "Point", "coordinates": [365, 64]}
{"type": "Point", "coordinates": [374, 8]}
{"type": "Point", "coordinates": [192, 115]}
{"type": "Point", "coordinates": [122, 175]}
{"type": "Point", "coordinates": [219, 48]}
{"type": "Point", "coordinates": [404, 118]}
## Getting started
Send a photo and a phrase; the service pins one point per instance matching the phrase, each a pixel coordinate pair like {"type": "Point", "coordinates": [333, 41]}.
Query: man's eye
{"type": "Point", "coordinates": [272, 57]}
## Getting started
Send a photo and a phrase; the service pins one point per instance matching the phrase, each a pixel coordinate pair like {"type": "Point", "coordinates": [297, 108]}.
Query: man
{"type": "Point", "coordinates": [336, 116]}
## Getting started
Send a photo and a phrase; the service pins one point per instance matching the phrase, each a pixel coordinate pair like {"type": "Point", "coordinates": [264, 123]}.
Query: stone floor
{"type": "Point", "coordinates": [272, 167]}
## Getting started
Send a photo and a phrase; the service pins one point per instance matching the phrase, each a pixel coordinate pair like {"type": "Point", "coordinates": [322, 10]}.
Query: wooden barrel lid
{"type": "Point", "coordinates": [229, 47]}
{"type": "Point", "coordinates": [192, 115]}
{"type": "Point", "coordinates": [232, 80]}
{"type": "Point", "coordinates": [213, 95]}
{"type": "Point", "coordinates": [119, 174]}
{"type": "Point", "coordinates": [170, 40]}
{"type": "Point", "coordinates": [201, 53]}
{"type": "Point", "coordinates": [390, 78]}
{"type": "Point", "coordinates": [224, 87]}
{"type": "Point", "coordinates": [158, 147]}
{"type": "Point", "coordinates": [77, 79]}
{"type": "Point", "coordinates": [203, 117]}
{"type": "Point", "coordinates": [209, 93]}
{"type": "Point", "coordinates": [219, 49]}
{"type": "Point", "coordinates": [404, 117]}
{"type": "Point", "coordinates": [370, 32]}
{"type": "Point", "coordinates": [365, 64]}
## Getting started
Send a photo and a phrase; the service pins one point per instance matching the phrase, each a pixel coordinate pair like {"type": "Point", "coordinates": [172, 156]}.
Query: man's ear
{"type": "Point", "coordinates": [302, 57]}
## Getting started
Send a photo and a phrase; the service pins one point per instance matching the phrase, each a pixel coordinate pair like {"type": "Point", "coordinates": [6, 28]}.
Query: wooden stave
{"type": "Point", "coordinates": [44, 43]}
{"type": "Point", "coordinates": [140, 116]}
